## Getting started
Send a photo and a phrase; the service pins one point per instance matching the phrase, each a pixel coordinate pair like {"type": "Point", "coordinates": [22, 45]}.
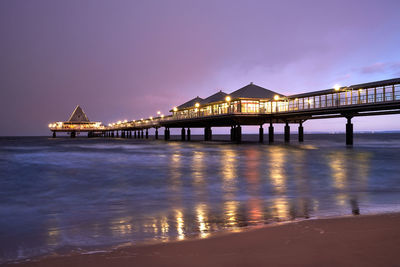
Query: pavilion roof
{"type": "Point", "coordinates": [219, 96]}
{"type": "Point", "coordinates": [191, 103]}
{"type": "Point", "coordinates": [78, 116]}
{"type": "Point", "coordinates": [254, 91]}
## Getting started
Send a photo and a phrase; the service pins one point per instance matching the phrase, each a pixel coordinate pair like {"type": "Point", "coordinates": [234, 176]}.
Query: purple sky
{"type": "Point", "coordinates": [128, 59]}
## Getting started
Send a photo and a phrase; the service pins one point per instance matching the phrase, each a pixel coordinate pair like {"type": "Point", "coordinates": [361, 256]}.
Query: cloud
{"type": "Point", "coordinates": [392, 68]}
{"type": "Point", "coordinates": [374, 68]}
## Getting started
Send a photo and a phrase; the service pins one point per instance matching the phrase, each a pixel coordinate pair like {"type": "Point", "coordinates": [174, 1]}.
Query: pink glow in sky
{"type": "Point", "coordinates": [128, 59]}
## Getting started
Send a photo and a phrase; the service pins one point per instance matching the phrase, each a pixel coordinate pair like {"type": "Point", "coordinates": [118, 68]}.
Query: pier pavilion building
{"type": "Point", "coordinates": [77, 122]}
{"type": "Point", "coordinates": [255, 105]}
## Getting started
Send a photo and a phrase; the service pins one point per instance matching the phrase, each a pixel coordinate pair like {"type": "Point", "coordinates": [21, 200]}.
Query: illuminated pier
{"type": "Point", "coordinates": [254, 105]}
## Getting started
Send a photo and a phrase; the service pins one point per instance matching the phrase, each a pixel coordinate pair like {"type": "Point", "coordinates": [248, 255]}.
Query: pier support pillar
{"type": "Point", "coordinates": [349, 132]}
{"type": "Point", "coordinates": [54, 135]}
{"type": "Point", "coordinates": [271, 133]}
{"type": "Point", "coordinates": [166, 134]}
{"type": "Point", "coordinates": [130, 134]}
{"type": "Point", "coordinates": [147, 133]}
{"type": "Point", "coordinates": [141, 134]}
{"type": "Point", "coordinates": [188, 134]}
{"type": "Point", "coordinates": [238, 135]}
{"type": "Point", "coordinates": [287, 132]}
{"type": "Point", "coordinates": [112, 134]}
{"type": "Point", "coordinates": [183, 134]}
{"type": "Point", "coordinates": [117, 133]}
{"type": "Point", "coordinates": [261, 134]}
{"type": "Point", "coordinates": [301, 132]}
{"type": "Point", "coordinates": [156, 134]}
{"type": "Point", "coordinates": [232, 134]}
{"type": "Point", "coordinates": [73, 134]}
{"type": "Point", "coordinates": [207, 134]}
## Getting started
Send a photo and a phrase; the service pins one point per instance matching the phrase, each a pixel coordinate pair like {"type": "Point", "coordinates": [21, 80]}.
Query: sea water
{"type": "Point", "coordinates": [62, 195]}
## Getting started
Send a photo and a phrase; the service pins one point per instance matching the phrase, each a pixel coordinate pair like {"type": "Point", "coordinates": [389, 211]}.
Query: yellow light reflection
{"type": "Point", "coordinates": [277, 175]}
{"type": "Point", "coordinates": [204, 228]}
{"type": "Point", "coordinates": [281, 208]}
{"type": "Point", "coordinates": [122, 226]}
{"type": "Point", "coordinates": [180, 224]}
{"type": "Point", "coordinates": [229, 172]}
{"type": "Point", "coordinates": [164, 226]}
{"type": "Point", "coordinates": [230, 212]}
{"type": "Point", "coordinates": [198, 167]}
{"type": "Point", "coordinates": [337, 163]}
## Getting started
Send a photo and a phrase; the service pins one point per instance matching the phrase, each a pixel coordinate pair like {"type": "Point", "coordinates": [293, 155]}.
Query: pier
{"type": "Point", "coordinates": [251, 105]}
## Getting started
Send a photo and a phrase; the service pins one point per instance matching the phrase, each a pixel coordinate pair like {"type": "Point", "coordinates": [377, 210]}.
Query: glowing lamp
{"type": "Point", "coordinates": [276, 97]}
{"type": "Point", "coordinates": [158, 112]}
{"type": "Point", "coordinates": [197, 105]}
{"type": "Point", "coordinates": [336, 87]}
{"type": "Point", "coordinates": [175, 109]}
{"type": "Point", "coordinates": [228, 98]}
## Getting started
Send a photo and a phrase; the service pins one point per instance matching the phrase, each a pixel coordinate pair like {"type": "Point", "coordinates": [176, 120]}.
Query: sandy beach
{"type": "Point", "coordinates": [369, 240]}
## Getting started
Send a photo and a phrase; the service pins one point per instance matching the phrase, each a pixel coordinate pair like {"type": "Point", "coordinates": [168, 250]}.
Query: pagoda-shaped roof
{"type": "Point", "coordinates": [78, 116]}
{"type": "Point", "coordinates": [191, 103]}
{"type": "Point", "coordinates": [254, 91]}
{"type": "Point", "coordinates": [219, 96]}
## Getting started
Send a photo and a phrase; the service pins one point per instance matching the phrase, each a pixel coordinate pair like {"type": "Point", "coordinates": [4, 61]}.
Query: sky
{"type": "Point", "coordinates": [129, 59]}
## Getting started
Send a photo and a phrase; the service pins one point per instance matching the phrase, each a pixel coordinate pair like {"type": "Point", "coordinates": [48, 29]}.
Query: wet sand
{"type": "Point", "coordinates": [370, 240]}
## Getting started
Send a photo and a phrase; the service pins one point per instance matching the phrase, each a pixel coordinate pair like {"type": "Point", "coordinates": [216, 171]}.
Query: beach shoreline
{"type": "Point", "coordinates": [364, 240]}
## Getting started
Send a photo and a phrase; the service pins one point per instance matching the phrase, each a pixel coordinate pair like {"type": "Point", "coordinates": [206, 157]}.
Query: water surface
{"type": "Point", "coordinates": [83, 194]}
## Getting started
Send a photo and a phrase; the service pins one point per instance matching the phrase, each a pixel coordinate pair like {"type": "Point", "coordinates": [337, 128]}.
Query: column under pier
{"type": "Point", "coordinates": [207, 134]}
{"type": "Point", "coordinates": [261, 134]}
{"type": "Point", "coordinates": [287, 132]}
{"type": "Point", "coordinates": [301, 132]}
{"type": "Point", "coordinates": [271, 133]}
{"type": "Point", "coordinates": [183, 134]}
{"type": "Point", "coordinates": [349, 132]}
{"type": "Point", "coordinates": [238, 134]}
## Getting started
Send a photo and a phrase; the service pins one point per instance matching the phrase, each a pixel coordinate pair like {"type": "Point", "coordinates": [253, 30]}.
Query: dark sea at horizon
{"type": "Point", "coordinates": [62, 195]}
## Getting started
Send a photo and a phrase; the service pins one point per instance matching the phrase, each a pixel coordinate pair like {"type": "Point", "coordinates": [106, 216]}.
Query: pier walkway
{"type": "Point", "coordinates": [254, 105]}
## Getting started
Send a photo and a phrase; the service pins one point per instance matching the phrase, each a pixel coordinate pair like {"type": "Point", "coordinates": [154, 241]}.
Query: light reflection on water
{"type": "Point", "coordinates": [117, 191]}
